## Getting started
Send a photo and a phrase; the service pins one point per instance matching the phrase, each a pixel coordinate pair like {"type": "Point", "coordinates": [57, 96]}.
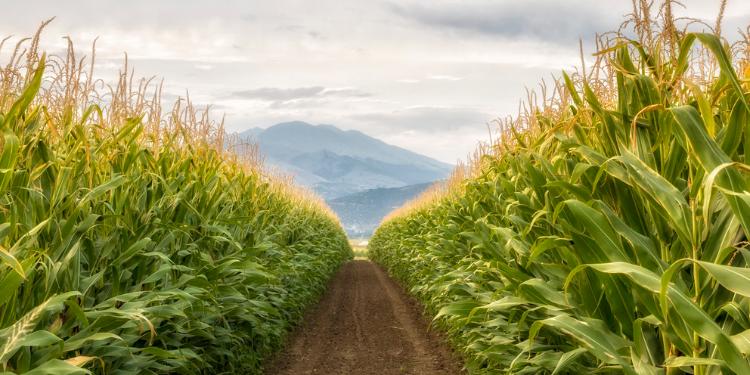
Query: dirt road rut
{"type": "Point", "coordinates": [365, 325]}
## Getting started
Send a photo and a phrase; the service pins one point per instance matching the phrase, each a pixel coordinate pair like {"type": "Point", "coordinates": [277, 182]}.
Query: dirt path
{"type": "Point", "coordinates": [364, 325]}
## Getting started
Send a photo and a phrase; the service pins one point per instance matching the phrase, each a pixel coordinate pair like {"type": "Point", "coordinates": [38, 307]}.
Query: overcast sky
{"type": "Point", "coordinates": [424, 75]}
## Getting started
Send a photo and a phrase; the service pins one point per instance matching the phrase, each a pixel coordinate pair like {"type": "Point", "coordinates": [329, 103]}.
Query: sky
{"type": "Point", "coordinates": [429, 76]}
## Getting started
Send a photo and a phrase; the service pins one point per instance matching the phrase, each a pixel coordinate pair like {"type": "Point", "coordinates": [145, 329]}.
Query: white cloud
{"type": "Point", "coordinates": [443, 77]}
{"type": "Point", "coordinates": [279, 94]}
{"type": "Point", "coordinates": [558, 21]}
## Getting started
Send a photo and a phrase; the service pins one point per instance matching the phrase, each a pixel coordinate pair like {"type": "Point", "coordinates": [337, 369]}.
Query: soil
{"type": "Point", "coordinates": [365, 324]}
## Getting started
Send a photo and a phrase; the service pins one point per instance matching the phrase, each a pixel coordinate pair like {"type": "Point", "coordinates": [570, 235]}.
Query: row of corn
{"type": "Point", "coordinates": [607, 231]}
{"type": "Point", "coordinates": [135, 242]}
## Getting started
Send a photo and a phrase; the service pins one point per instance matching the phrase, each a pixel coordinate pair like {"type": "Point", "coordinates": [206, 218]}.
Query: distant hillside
{"type": "Point", "coordinates": [361, 213]}
{"type": "Point", "coordinates": [336, 163]}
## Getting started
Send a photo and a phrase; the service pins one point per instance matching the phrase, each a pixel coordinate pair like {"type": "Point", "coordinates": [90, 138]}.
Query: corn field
{"type": "Point", "coordinates": [137, 242]}
{"type": "Point", "coordinates": [606, 231]}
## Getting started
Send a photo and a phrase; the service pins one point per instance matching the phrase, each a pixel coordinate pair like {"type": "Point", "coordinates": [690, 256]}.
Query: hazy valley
{"type": "Point", "coordinates": [361, 178]}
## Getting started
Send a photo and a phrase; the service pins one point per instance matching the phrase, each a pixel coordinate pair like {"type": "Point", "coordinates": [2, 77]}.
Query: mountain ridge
{"type": "Point", "coordinates": [360, 213]}
{"type": "Point", "coordinates": [355, 143]}
{"type": "Point", "coordinates": [335, 162]}
{"type": "Point", "coordinates": [361, 178]}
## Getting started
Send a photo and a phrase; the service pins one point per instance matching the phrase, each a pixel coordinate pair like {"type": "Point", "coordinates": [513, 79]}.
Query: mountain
{"type": "Point", "coordinates": [361, 213]}
{"type": "Point", "coordinates": [337, 163]}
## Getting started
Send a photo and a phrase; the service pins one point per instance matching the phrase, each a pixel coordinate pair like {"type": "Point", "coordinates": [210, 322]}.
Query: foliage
{"type": "Point", "coordinates": [608, 233]}
{"type": "Point", "coordinates": [132, 243]}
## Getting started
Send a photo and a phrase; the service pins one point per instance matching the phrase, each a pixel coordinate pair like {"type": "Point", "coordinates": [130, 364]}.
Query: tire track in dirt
{"type": "Point", "coordinates": [364, 324]}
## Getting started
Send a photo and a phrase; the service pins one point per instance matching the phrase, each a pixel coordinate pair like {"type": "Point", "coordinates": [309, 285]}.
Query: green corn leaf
{"type": "Point", "coordinates": [693, 316]}
{"type": "Point", "coordinates": [692, 361]}
{"type": "Point", "coordinates": [567, 359]}
{"type": "Point", "coordinates": [736, 279]}
{"type": "Point", "coordinates": [713, 43]}
{"type": "Point", "coordinates": [11, 261]}
{"type": "Point", "coordinates": [710, 156]}
{"type": "Point", "coordinates": [22, 103]}
{"type": "Point", "coordinates": [39, 338]}
{"type": "Point", "coordinates": [604, 345]}
{"type": "Point", "coordinates": [13, 337]}
{"type": "Point", "coordinates": [57, 367]}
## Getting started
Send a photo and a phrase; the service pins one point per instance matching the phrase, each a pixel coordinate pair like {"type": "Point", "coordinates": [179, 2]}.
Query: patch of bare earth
{"type": "Point", "coordinates": [365, 324]}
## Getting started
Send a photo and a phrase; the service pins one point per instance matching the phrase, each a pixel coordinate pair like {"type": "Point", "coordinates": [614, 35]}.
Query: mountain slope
{"type": "Point", "coordinates": [361, 213]}
{"type": "Point", "coordinates": [336, 163]}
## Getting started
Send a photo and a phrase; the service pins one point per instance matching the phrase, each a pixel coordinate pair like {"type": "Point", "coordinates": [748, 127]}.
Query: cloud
{"type": "Point", "coordinates": [300, 97]}
{"type": "Point", "coordinates": [426, 119]}
{"type": "Point", "coordinates": [276, 94]}
{"type": "Point", "coordinates": [345, 92]}
{"type": "Point", "coordinates": [558, 21]}
{"type": "Point", "coordinates": [279, 94]}
{"type": "Point", "coordinates": [446, 133]}
{"type": "Point", "coordinates": [435, 77]}
{"type": "Point", "coordinates": [443, 77]}
{"type": "Point", "coordinates": [447, 146]}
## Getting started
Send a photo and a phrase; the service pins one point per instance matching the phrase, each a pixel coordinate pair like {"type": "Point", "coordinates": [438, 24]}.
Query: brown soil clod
{"type": "Point", "coordinates": [366, 325]}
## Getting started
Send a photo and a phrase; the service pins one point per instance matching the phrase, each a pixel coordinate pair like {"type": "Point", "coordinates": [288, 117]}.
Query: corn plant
{"type": "Point", "coordinates": [136, 243]}
{"type": "Point", "coordinates": [608, 231]}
